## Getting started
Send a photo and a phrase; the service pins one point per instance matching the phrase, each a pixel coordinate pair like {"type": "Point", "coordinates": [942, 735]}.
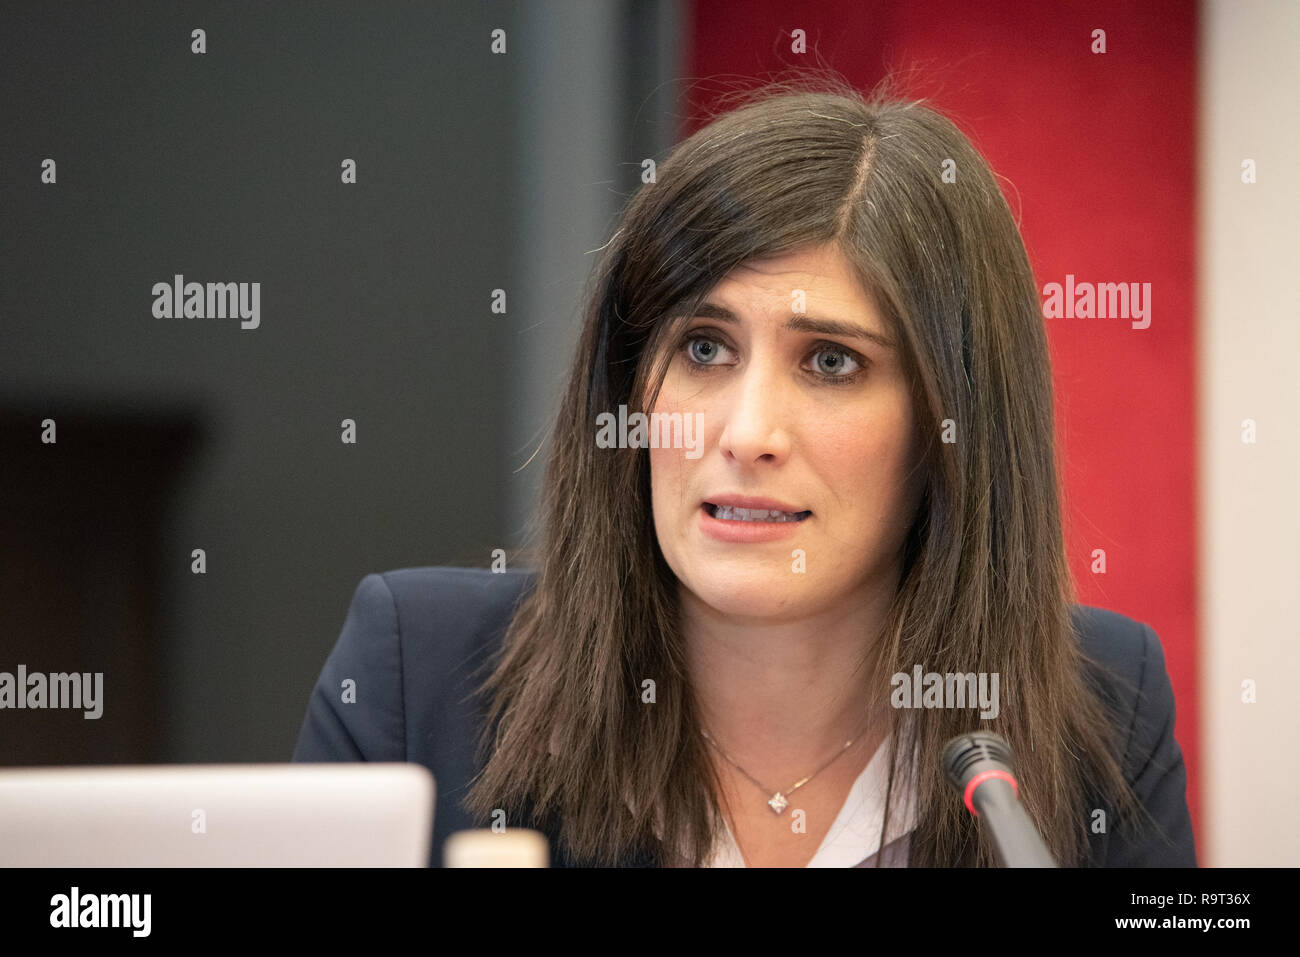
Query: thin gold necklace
{"type": "Point", "coordinates": [779, 800]}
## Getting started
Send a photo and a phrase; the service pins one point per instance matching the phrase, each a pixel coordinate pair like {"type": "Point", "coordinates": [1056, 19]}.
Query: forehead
{"type": "Point", "coordinates": [816, 289]}
{"type": "Point", "coordinates": [822, 274]}
{"type": "Point", "coordinates": [823, 267]}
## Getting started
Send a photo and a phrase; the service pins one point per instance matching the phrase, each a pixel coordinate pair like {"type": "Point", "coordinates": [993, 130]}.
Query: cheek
{"type": "Point", "coordinates": [865, 457]}
{"type": "Point", "coordinates": [672, 394]}
{"type": "Point", "coordinates": [663, 471]}
{"type": "Point", "coordinates": [670, 466]}
{"type": "Point", "coordinates": [669, 472]}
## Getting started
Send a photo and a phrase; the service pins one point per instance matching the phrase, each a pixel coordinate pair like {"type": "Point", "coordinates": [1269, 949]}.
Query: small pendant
{"type": "Point", "coordinates": [778, 802]}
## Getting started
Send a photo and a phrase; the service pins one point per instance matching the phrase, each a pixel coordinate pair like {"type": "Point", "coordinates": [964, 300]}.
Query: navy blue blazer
{"type": "Point", "coordinates": [415, 637]}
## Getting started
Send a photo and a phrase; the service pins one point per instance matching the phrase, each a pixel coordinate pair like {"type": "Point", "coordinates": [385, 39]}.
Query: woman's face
{"type": "Point", "coordinates": [793, 412]}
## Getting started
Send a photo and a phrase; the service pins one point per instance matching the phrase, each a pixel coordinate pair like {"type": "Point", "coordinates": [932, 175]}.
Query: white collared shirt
{"type": "Point", "coordinates": [854, 837]}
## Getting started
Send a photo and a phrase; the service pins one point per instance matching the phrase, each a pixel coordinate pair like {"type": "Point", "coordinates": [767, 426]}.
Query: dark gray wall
{"type": "Point", "coordinates": [475, 172]}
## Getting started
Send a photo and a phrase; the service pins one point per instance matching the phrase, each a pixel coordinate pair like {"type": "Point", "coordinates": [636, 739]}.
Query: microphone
{"type": "Point", "coordinates": [980, 766]}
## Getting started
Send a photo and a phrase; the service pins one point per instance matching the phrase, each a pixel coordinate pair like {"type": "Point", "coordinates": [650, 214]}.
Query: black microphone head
{"type": "Point", "coordinates": [981, 767]}
{"type": "Point", "coordinates": [969, 754]}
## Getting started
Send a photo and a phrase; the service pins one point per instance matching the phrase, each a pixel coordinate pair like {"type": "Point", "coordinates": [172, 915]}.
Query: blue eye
{"type": "Point", "coordinates": [845, 356]}
{"type": "Point", "coordinates": [701, 351]}
{"type": "Point", "coordinates": [702, 358]}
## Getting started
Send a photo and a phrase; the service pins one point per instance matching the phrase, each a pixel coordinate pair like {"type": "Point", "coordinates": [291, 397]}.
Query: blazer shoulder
{"type": "Point", "coordinates": [1127, 664]}
{"type": "Point", "coordinates": [1115, 647]}
{"type": "Point", "coordinates": [1126, 661]}
{"type": "Point", "coordinates": [399, 683]}
{"type": "Point", "coordinates": [406, 630]}
{"type": "Point", "coordinates": [444, 612]}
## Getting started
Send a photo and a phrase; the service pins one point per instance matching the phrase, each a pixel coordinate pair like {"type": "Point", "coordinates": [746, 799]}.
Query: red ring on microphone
{"type": "Point", "coordinates": [980, 779]}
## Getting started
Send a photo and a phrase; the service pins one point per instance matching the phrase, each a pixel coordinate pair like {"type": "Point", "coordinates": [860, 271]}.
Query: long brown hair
{"type": "Point", "coordinates": [984, 584]}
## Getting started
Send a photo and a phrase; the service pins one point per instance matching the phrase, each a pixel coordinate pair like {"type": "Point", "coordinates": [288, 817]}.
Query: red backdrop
{"type": "Point", "coordinates": [1097, 152]}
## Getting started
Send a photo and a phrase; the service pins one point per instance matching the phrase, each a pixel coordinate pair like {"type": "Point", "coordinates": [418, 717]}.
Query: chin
{"type": "Point", "coordinates": [751, 592]}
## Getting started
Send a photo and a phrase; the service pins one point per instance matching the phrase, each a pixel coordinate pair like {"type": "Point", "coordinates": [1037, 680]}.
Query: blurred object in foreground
{"type": "Point", "coordinates": [513, 847]}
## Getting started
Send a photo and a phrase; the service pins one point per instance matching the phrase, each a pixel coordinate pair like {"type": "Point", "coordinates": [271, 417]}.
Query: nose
{"type": "Point", "coordinates": [756, 419]}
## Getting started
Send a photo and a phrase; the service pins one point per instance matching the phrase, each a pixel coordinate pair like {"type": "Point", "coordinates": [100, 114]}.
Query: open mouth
{"type": "Point", "coordinates": [728, 513]}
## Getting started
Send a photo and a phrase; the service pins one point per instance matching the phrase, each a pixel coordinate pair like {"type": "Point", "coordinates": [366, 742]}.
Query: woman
{"type": "Point", "coordinates": [712, 664]}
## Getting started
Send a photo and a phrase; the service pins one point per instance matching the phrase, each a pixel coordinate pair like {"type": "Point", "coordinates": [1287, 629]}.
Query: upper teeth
{"type": "Point", "coordinates": [754, 514]}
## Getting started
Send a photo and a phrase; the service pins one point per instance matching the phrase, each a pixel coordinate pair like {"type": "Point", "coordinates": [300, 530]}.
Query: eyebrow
{"type": "Point", "coordinates": [802, 323]}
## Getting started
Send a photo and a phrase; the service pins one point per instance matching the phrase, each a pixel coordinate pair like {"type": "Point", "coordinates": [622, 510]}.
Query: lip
{"type": "Point", "coordinates": [743, 533]}
{"type": "Point", "coordinates": [745, 501]}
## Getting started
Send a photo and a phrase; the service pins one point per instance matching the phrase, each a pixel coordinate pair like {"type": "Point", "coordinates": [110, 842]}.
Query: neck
{"type": "Point", "coordinates": [782, 697]}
